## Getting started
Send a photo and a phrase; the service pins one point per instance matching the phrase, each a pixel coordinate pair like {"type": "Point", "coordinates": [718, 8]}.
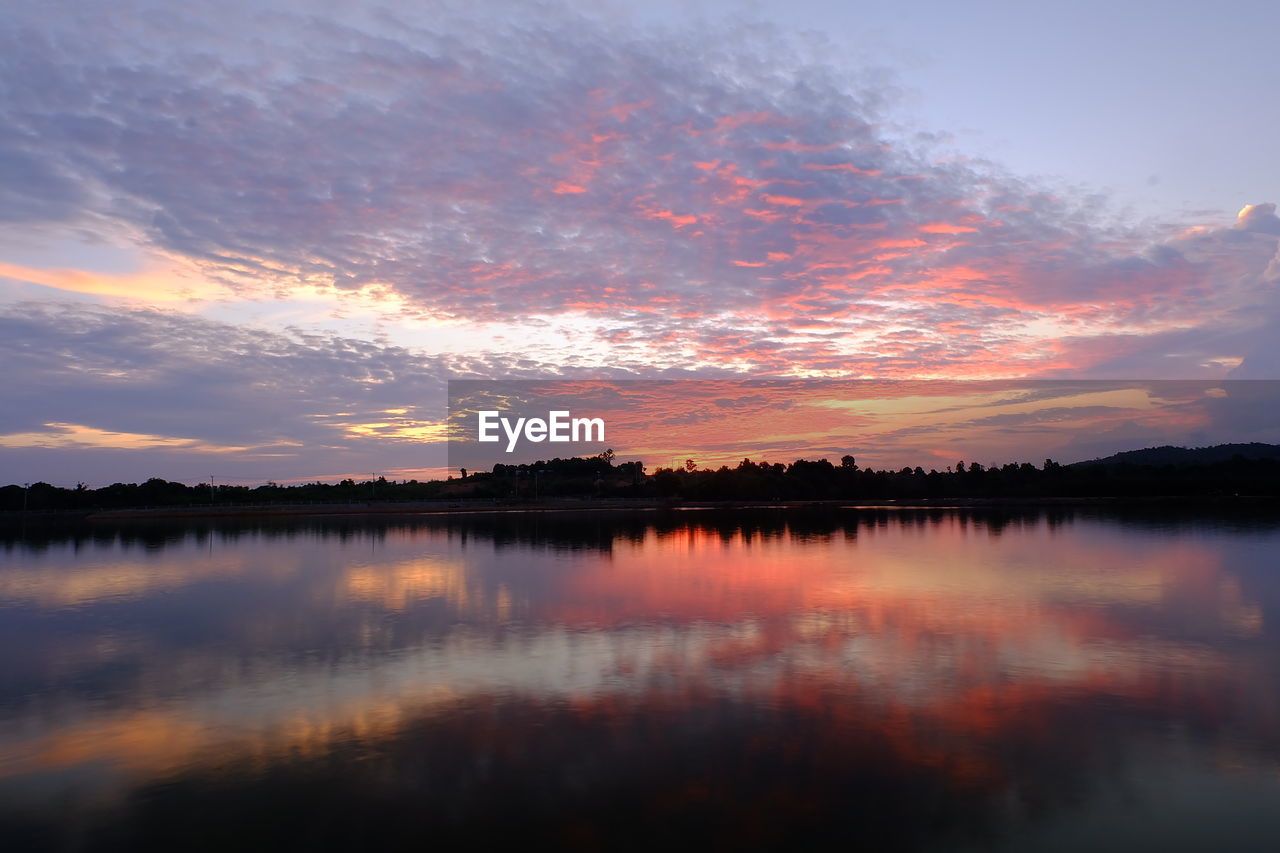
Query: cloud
{"type": "Point", "coordinates": [102, 394]}
{"type": "Point", "coordinates": [703, 197]}
{"type": "Point", "coordinates": [1260, 218]}
{"type": "Point", "coordinates": [32, 189]}
{"type": "Point", "coordinates": [118, 393]}
{"type": "Point", "coordinates": [619, 201]}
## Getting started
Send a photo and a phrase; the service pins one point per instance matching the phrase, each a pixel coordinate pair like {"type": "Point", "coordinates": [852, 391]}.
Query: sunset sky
{"type": "Point", "coordinates": [255, 239]}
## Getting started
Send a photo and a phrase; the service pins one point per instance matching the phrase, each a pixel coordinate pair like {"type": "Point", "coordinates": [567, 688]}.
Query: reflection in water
{"type": "Point", "coordinates": [920, 680]}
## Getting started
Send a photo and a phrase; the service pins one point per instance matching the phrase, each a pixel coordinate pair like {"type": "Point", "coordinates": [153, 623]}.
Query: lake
{"type": "Point", "coordinates": [756, 679]}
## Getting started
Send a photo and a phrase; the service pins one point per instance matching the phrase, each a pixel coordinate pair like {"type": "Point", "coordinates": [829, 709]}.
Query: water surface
{"type": "Point", "coordinates": [768, 679]}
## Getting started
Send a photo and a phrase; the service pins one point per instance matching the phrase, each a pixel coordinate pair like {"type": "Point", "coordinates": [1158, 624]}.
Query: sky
{"type": "Point", "coordinates": [254, 241]}
{"type": "Point", "coordinates": [883, 424]}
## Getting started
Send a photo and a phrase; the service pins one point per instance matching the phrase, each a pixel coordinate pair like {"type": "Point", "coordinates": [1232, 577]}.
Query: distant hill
{"type": "Point", "coordinates": [1169, 455]}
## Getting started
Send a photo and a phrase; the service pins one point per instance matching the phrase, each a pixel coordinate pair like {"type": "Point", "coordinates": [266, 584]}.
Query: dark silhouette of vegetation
{"type": "Point", "coordinates": [1169, 455]}
{"type": "Point", "coordinates": [1205, 473]}
{"type": "Point", "coordinates": [819, 479]}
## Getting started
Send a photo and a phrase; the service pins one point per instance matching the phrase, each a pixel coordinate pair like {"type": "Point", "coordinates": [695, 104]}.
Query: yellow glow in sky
{"type": "Point", "coordinates": [159, 284]}
{"type": "Point", "coordinates": [62, 435]}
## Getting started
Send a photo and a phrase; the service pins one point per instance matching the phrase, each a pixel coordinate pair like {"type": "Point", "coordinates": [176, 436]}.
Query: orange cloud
{"type": "Point", "coordinates": [159, 284]}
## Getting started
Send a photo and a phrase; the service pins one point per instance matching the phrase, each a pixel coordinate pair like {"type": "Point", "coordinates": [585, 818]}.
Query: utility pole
{"type": "Point", "coordinates": [26, 488]}
{"type": "Point", "coordinates": [213, 495]}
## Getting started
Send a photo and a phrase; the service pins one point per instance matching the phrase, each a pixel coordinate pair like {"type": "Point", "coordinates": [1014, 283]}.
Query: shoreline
{"type": "Point", "coordinates": [479, 507]}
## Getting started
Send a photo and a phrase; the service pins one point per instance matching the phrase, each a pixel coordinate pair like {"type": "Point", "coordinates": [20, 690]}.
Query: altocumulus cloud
{"type": "Point", "coordinates": [703, 200]}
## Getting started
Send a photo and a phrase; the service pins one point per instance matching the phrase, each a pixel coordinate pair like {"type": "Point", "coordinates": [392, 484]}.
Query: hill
{"type": "Point", "coordinates": [1169, 455]}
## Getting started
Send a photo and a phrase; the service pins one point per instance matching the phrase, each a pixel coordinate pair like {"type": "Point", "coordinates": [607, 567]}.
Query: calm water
{"type": "Point", "coordinates": [887, 681]}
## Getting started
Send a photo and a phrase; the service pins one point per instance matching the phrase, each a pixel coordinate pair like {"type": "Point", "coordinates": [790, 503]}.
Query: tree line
{"type": "Point", "coordinates": [599, 476]}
